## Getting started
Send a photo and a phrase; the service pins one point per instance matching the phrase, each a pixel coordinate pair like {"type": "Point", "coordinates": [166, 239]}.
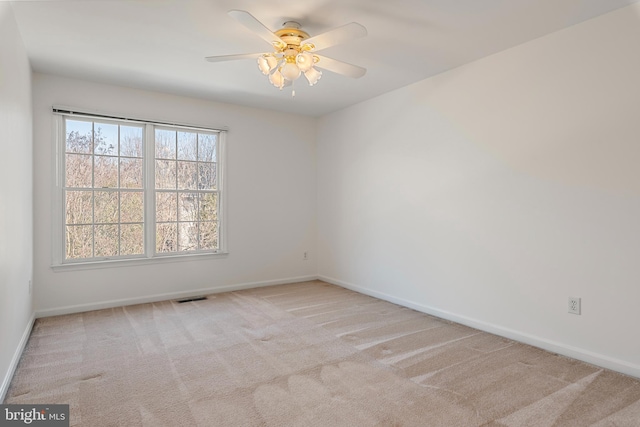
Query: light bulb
{"type": "Point", "coordinates": [313, 75]}
{"type": "Point", "coordinates": [290, 71]}
{"type": "Point", "coordinates": [304, 61]}
{"type": "Point", "coordinates": [277, 79]}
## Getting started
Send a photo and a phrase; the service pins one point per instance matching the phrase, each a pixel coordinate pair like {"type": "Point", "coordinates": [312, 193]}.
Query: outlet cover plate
{"type": "Point", "coordinates": [574, 305]}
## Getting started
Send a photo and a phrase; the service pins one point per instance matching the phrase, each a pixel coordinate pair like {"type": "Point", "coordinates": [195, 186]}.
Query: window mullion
{"type": "Point", "coordinates": [149, 186]}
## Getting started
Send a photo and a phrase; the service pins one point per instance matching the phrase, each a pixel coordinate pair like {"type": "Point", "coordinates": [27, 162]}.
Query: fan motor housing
{"type": "Point", "coordinates": [291, 34]}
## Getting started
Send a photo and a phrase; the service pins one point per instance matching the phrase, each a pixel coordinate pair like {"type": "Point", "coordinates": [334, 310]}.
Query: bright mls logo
{"type": "Point", "coordinates": [34, 415]}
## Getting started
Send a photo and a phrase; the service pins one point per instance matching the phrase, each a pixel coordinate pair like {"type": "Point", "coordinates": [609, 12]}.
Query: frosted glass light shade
{"type": "Point", "coordinates": [313, 75]}
{"type": "Point", "coordinates": [263, 65]}
{"type": "Point", "coordinates": [304, 61]}
{"type": "Point", "coordinates": [277, 79]}
{"type": "Point", "coordinates": [290, 71]}
{"type": "Point", "coordinates": [266, 63]}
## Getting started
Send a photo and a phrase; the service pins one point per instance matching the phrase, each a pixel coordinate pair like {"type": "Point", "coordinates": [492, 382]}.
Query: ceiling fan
{"type": "Point", "coordinates": [294, 52]}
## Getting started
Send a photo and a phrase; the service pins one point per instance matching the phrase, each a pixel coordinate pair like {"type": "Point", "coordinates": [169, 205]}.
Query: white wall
{"type": "Point", "coordinates": [491, 193]}
{"type": "Point", "coordinates": [16, 194]}
{"type": "Point", "coordinates": [271, 188]}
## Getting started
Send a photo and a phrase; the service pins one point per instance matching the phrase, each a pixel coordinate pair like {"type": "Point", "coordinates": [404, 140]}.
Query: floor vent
{"type": "Point", "coordinates": [180, 301]}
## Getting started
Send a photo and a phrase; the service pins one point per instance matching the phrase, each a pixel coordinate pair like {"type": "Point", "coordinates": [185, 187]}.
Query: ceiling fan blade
{"type": "Point", "coordinates": [337, 35]}
{"type": "Point", "coordinates": [340, 67]}
{"type": "Point", "coordinates": [221, 58]}
{"type": "Point", "coordinates": [249, 21]}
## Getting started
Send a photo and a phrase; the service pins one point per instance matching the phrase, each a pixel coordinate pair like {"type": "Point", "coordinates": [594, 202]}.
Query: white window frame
{"type": "Point", "coordinates": [149, 191]}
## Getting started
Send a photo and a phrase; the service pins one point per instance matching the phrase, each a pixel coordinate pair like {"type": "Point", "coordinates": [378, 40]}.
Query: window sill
{"type": "Point", "coordinates": [117, 263]}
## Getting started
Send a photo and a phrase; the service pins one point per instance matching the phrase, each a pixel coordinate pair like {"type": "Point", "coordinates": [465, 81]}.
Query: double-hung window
{"type": "Point", "coordinates": [129, 189]}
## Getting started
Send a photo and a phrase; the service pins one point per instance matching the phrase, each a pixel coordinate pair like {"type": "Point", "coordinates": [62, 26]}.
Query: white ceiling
{"type": "Point", "coordinates": [161, 44]}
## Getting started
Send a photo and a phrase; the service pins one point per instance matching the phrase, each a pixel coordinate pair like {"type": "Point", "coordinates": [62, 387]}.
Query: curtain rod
{"type": "Point", "coordinates": [72, 112]}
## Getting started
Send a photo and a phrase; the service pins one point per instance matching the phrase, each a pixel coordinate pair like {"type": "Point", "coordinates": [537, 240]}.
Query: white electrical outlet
{"type": "Point", "coordinates": [305, 255]}
{"type": "Point", "coordinates": [574, 305]}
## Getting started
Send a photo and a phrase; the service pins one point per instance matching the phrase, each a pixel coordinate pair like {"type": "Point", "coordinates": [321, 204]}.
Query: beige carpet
{"type": "Point", "coordinates": [307, 354]}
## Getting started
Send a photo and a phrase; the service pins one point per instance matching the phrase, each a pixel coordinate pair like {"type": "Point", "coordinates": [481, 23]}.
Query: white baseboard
{"type": "Point", "coordinates": [552, 346]}
{"type": "Point", "coordinates": [167, 296]}
{"type": "Point", "coordinates": [16, 358]}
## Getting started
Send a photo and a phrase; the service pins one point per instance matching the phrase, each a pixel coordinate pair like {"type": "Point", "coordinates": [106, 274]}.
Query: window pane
{"type": "Point", "coordinates": [78, 207]}
{"type": "Point", "coordinates": [188, 207]}
{"type": "Point", "coordinates": [207, 147]}
{"type": "Point", "coordinates": [208, 207]}
{"type": "Point", "coordinates": [187, 175]}
{"type": "Point", "coordinates": [106, 207]}
{"type": "Point", "coordinates": [209, 235]}
{"type": "Point", "coordinates": [207, 178]}
{"type": "Point", "coordinates": [79, 241]}
{"type": "Point", "coordinates": [187, 236]}
{"type": "Point", "coordinates": [78, 136]}
{"type": "Point", "coordinates": [166, 237]}
{"type": "Point", "coordinates": [166, 207]}
{"type": "Point", "coordinates": [130, 141]}
{"type": "Point", "coordinates": [105, 139]}
{"type": "Point", "coordinates": [165, 144]}
{"type": "Point", "coordinates": [106, 240]}
{"type": "Point", "coordinates": [106, 172]}
{"type": "Point", "coordinates": [165, 174]}
{"type": "Point", "coordinates": [131, 206]}
{"type": "Point", "coordinates": [131, 239]}
{"type": "Point", "coordinates": [78, 168]}
{"type": "Point", "coordinates": [130, 173]}
{"type": "Point", "coordinates": [187, 143]}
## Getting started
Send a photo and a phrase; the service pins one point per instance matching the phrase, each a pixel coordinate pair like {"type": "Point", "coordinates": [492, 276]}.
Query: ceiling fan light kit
{"type": "Point", "coordinates": [291, 58]}
{"type": "Point", "coordinates": [294, 51]}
